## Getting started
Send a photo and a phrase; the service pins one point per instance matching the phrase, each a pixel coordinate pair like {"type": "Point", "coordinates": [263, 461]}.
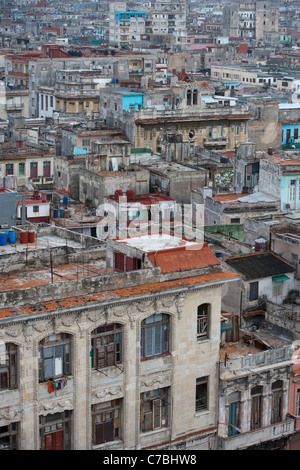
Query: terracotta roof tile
{"type": "Point", "coordinates": [183, 259]}
{"type": "Point", "coordinates": [70, 302]}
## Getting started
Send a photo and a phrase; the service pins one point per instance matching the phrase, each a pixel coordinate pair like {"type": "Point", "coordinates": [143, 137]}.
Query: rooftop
{"type": "Point", "coordinates": [259, 265]}
{"type": "Point", "coordinates": [113, 295]}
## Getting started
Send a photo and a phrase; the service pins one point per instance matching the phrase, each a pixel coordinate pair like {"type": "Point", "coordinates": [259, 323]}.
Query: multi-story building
{"type": "Point", "coordinates": [133, 365]}
{"type": "Point", "coordinates": [196, 117]}
{"type": "Point", "coordinates": [254, 393]}
{"type": "Point", "coordinates": [250, 20]}
{"type": "Point", "coordinates": [25, 165]}
{"type": "Point", "coordinates": [125, 26]}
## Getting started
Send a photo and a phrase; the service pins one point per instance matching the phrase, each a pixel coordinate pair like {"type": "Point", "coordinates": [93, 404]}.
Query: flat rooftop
{"type": "Point", "coordinates": [27, 278]}
{"type": "Point", "coordinates": [157, 242]}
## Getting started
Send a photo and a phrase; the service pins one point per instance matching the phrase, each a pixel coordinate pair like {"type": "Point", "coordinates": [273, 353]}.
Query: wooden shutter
{"type": "Point", "coordinates": [100, 357]}
{"type": "Point", "coordinates": [156, 409]}
{"type": "Point", "coordinates": [104, 432]}
{"type": "Point", "coordinates": [54, 441]}
{"type": "Point", "coordinates": [3, 379]}
{"type": "Point", "coordinates": [119, 262]}
{"type": "Point", "coordinates": [148, 341]}
{"type": "Point", "coordinates": [157, 339]}
{"type": "Point", "coordinates": [110, 354]}
{"type": "Point", "coordinates": [130, 263]}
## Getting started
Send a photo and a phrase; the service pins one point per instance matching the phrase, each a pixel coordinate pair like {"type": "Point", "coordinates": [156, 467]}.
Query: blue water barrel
{"type": "Point", "coordinates": [55, 213]}
{"type": "Point", "coordinates": [62, 213]}
{"type": "Point", "coordinates": [3, 238]}
{"type": "Point", "coordinates": [12, 236]}
{"type": "Point", "coordinates": [65, 201]}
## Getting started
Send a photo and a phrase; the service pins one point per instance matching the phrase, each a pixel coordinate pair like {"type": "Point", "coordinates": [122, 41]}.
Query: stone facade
{"type": "Point", "coordinates": [30, 404]}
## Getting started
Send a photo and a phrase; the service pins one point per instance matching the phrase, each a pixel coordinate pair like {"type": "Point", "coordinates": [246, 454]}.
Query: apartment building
{"type": "Point", "coordinates": [251, 20]}
{"type": "Point", "coordinates": [25, 165]}
{"type": "Point", "coordinates": [132, 365]}
{"type": "Point", "coordinates": [193, 114]}
{"type": "Point", "coordinates": [246, 75]}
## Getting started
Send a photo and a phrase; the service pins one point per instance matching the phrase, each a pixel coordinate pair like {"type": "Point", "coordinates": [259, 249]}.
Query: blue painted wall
{"type": "Point", "coordinates": [133, 100]}
{"type": "Point", "coordinates": [285, 191]}
{"type": "Point", "coordinates": [292, 128]}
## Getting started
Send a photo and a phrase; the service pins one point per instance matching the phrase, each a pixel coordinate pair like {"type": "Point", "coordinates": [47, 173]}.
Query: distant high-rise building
{"type": "Point", "coordinates": [250, 20]}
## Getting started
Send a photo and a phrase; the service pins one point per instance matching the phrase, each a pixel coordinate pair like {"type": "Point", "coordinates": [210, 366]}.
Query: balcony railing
{"type": "Point", "coordinates": [252, 438]}
{"type": "Point", "coordinates": [215, 141]}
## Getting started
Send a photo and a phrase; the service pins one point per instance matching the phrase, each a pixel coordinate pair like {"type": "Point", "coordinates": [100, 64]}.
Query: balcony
{"type": "Point", "coordinates": [252, 438]}
{"type": "Point", "coordinates": [14, 107]}
{"type": "Point", "coordinates": [215, 141]}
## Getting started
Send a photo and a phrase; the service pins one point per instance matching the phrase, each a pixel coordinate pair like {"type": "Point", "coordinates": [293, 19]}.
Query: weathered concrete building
{"type": "Point", "coordinates": [73, 372]}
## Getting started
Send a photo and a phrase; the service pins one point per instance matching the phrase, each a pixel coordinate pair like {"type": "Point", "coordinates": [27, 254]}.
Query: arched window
{"type": "Point", "coordinates": [55, 357]}
{"type": "Point", "coordinates": [8, 366]}
{"type": "Point", "coordinates": [188, 97]}
{"type": "Point", "coordinates": [256, 407]}
{"type": "Point", "coordinates": [203, 319]}
{"type": "Point", "coordinates": [106, 346]}
{"type": "Point", "coordinates": [155, 335]}
{"type": "Point", "coordinates": [277, 396]}
{"type": "Point", "coordinates": [195, 97]}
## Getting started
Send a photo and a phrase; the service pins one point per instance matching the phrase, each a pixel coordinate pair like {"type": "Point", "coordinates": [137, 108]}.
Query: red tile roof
{"type": "Point", "coordinates": [183, 258]}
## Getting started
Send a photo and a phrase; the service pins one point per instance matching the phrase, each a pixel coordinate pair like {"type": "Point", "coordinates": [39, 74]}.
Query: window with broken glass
{"type": "Point", "coordinates": [106, 421]}
{"type": "Point", "coordinates": [54, 357]}
{"type": "Point", "coordinates": [9, 437]}
{"type": "Point", "coordinates": [106, 346]}
{"type": "Point", "coordinates": [155, 335]}
{"type": "Point", "coordinates": [8, 366]}
{"type": "Point", "coordinates": [203, 313]}
{"type": "Point", "coordinates": [155, 409]}
{"type": "Point", "coordinates": [201, 394]}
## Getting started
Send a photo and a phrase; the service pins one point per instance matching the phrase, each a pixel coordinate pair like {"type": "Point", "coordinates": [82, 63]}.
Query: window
{"type": "Point", "coordinates": [298, 402]}
{"type": "Point", "coordinates": [36, 209]}
{"type": "Point", "coordinates": [54, 357]}
{"type": "Point", "coordinates": [106, 346]}
{"type": "Point", "coordinates": [277, 399]}
{"type": "Point", "coordinates": [203, 314]}
{"type": "Point", "coordinates": [9, 169]}
{"type": "Point", "coordinates": [155, 335]}
{"type": "Point", "coordinates": [21, 168]}
{"type": "Point", "coordinates": [8, 366]}
{"type": "Point", "coordinates": [106, 419]}
{"type": "Point", "coordinates": [236, 130]}
{"type": "Point", "coordinates": [201, 394]}
{"type": "Point", "coordinates": [256, 407]}
{"type": "Point", "coordinates": [155, 409]}
{"type": "Point", "coordinates": [85, 142]}
{"type": "Point", "coordinates": [253, 290]}
{"type": "Point", "coordinates": [9, 435]}
{"type": "Point", "coordinates": [195, 97]}
{"type": "Point", "coordinates": [234, 413]}
{"type": "Point", "coordinates": [188, 97]}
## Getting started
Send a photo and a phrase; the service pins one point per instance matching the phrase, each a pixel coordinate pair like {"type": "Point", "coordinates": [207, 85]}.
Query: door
{"type": "Point", "coordinates": [233, 423]}
{"type": "Point", "coordinates": [54, 441]}
{"type": "Point", "coordinates": [292, 194]}
{"type": "Point", "coordinates": [33, 170]}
